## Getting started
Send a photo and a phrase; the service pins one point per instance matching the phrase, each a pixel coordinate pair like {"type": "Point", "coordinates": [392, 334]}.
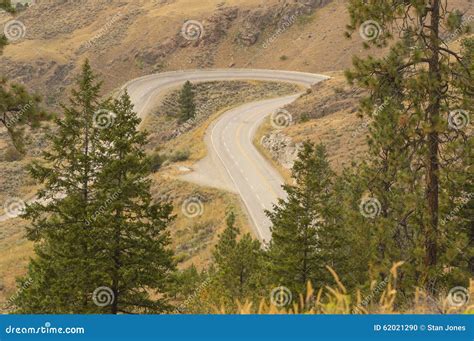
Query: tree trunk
{"type": "Point", "coordinates": [432, 176]}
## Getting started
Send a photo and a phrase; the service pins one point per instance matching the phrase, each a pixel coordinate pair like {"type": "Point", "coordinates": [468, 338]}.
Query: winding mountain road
{"type": "Point", "coordinates": [232, 162]}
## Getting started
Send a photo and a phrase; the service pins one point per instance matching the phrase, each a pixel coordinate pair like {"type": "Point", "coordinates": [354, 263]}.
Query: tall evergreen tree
{"type": "Point", "coordinates": [416, 149]}
{"type": "Point", "coordinates": [101, 244]}
{"type": "Point", "coordinates": [238, 266]}
{"type": "Point", "coordinates": [135, 256]}
{"type": "Point", "coordinates": [186, 102]}
{"type": "Point", "coordinates": [64, 271]}
{"type": "Point", "coordinates": [296, 250]}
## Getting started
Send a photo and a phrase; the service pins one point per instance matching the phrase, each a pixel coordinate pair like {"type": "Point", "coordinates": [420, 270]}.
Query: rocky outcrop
{"type": "Point", "coordinates": [279, 17]}
{"type": "Point", "coordinates": [281, 148]}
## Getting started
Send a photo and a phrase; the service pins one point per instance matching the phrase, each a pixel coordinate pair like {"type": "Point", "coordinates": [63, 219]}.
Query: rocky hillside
{"type": "Point", "coordinates": [328, 114]}
{"type": "Point", "coordinates": [128, 38]}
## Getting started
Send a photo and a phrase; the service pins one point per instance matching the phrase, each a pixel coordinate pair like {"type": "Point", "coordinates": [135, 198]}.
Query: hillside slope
{"type": "Point", "coordinates": [125, 39]}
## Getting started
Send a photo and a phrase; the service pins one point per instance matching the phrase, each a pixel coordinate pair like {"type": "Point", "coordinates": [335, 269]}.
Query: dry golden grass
{"type": "Point", "coordinates": [331, 108]}
{"type": "Point", "coordinates": [336, 300]}
{"type": "Point", "coordinates": [15, 253]}
{"type": "Point", "coordinates": [193, 238]}
{"type": "Point", "coordinates": [216, 98]}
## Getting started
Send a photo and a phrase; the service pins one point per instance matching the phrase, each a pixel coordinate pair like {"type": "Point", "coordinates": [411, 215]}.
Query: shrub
{"type": "Point", "coordinates": [12, 154]}
{"type": "Point", "coordinates": [304, 117]}
{"type": "Point", "coordinates": [179, 155]}
{"type": "Point", "coordinates": [156, 161]}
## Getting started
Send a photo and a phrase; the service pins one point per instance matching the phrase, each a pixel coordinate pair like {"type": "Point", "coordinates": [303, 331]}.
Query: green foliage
{"type": "Point", "coordinates": [298, 253]}
{"type": "Point", "coordinates": [179, 156]}
{"type": "Point", "coordinates": [418, 162]}
{"type": "Point", "coordinates": [12, 154]}
{"type": "Point", "coordinates": [95, 224]}
{"type": "Point", "coordinates": [156, 161]}
{"type": "Point", "coordinates": [238, 266]}
{"type": "Point", "coordinates": [19, 109]}
{"type": "Point", "coordinates": [6, 5]}
{"type": "Point", "coordinates": [186, 103]}
{"type": "Point", "coordinates": [184, 283]}
{"type": "Point", "coordinates": [3, 42]}
{"type": "Point", "coordinates": [131, 227]}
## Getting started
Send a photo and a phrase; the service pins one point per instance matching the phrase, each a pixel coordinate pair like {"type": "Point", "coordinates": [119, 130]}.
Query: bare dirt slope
{"type": "Point", "coordinates": [127, 38]}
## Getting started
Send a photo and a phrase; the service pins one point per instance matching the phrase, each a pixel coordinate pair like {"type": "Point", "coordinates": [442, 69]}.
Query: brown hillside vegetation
{"type": "Point", "coordinates": [125, 39]}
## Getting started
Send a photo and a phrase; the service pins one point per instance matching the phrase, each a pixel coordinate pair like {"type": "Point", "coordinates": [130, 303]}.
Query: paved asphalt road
{"type": "Point", "coordinates": [233, 162]}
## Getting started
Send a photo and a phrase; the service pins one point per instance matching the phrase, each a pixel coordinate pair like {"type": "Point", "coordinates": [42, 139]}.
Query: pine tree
{"type": "Point", "coordinates": [413, 165]}
{"type": "Point", "coordinates": [238, 265]}
{"type": "Point", "coordinates": [64, 271]}
{"type": "Point", "coordinates": [18, 108]}
{"type": "Point", "coordinates": [186, 102]}
{"type": "Point", "coordinates": [297, 247]}
{"type": "Point", "coordinates": [184, 285]}
{"type": "Point", "coordinates": [101, 241]}
{"type": "Point", "coordinates": [135, 257]}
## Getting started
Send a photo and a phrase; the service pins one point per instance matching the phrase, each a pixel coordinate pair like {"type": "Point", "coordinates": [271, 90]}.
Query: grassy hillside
{"type": "Point", "coordinates": [192, 239]}
{"type": "Point", "coordinates": [125, 39]}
